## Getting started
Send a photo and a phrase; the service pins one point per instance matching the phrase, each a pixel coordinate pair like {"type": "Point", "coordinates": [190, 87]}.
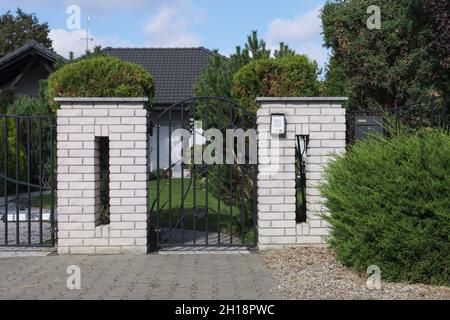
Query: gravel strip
{"type": "Point", "coordinates": [14, 252]}
{"type": "Point", "coordinates": [314, 274]}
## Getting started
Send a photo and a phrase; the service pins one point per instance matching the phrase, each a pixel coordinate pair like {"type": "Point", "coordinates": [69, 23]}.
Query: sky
{"type": "Point", "coordinates": [214, 24]}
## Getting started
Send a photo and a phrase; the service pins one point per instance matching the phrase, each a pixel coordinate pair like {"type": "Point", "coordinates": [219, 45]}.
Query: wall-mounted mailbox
{"type": "Point", "coordinates": [366, 125]}
{"type": "Point", "coordinates": [278, 124]}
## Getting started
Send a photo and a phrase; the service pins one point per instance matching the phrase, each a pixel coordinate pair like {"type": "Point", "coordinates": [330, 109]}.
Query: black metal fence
{"type": "Point", "coordinates": [27, 212]}
{"type": "Point", "coordinates": [427, 113]}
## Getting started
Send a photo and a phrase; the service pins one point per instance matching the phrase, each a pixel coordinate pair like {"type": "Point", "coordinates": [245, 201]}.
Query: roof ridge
{"type": "Point", "coordinates": [30, 44]}
{"type": "Point", "coordinates": [159, 48]}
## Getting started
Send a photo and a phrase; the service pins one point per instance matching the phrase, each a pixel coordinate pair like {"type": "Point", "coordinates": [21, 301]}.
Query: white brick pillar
{"type": "Point", "coordinates": [323, 121]}
{"type": "Point", "coordinates": [81, 122]}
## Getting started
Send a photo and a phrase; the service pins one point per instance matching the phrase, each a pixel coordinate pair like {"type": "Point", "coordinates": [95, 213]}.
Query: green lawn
{"type": "Point", "coordinates": [170, 211]}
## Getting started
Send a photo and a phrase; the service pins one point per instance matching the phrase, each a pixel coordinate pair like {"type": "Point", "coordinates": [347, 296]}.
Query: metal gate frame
{"type": "Point", "coordinates": [180, 226]}
{"type": "Point", "coordinates": [31, 135]}
{"type": "Point", "coordinates": [431, 112]}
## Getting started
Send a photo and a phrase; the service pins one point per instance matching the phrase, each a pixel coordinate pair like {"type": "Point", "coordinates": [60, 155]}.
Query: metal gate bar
{"type": "Point", "coordinates": [22, 211]}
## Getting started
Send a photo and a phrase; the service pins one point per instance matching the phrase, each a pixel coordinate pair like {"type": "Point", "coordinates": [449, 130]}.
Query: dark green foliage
{"type": "Point", "coordinates": [6, 97]}
{"type": "Point", "coordinates": [389, 203]}
{"type": "Point", "coordinates": [439, 19]}
{"type": "Point", "coordinates": [334, 84]}
{"type": "Point", "coordinates": [11, 152]}
{"type": "Point", "coordinates": [216, 78]}
{"type": "Point", "coordinates": [16, 29]}
{"type": "Point", "coordinates": [389, 67]}
{"type": "Point", "coordinates": [100, 76]}
{"type": "Point", "coordinates": [163, 174]}
{"type": "Point", "coordinates": [28, 106]}
{"type": "Point", "coordinates": [291, 76]}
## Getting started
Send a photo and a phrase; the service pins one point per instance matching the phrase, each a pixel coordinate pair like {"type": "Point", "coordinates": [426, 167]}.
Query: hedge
{"type": "Point", "coordinates": [389, 203]}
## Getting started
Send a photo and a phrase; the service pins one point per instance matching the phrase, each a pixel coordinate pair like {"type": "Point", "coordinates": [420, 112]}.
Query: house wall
{"type": "Point", "coordinates": [29, 84]}
{"type": "Point", "coordinates": [167, 127]}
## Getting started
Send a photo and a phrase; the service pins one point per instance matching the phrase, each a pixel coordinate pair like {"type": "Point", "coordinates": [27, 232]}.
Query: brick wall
{"type": "Point", "coordinates": [323, 119]}
{"type": "Point", "coordinates": [80, 121]}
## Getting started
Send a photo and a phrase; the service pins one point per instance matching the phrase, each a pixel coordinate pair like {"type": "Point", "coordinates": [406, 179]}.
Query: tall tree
{"type": "Point", "coordinates": [438, 12]}
{"type": "Point", "coordinates": [391, 66]}
{"type": "Point", "coordinates": [217, 77]}
{"type": "Point", "coordinates": [16, 29]}
{"type": "Point", "coordinates": [256, 46]}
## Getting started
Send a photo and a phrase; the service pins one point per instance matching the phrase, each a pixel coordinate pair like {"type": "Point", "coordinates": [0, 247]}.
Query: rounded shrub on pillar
{"type": "Point", "coordinates": [100, 76]}
{"type": "Point", "coordinates": [290, 76]}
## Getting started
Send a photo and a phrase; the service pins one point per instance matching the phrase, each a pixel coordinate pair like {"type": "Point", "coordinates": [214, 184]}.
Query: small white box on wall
{"type": "Point", "coordinates": [278, 124]}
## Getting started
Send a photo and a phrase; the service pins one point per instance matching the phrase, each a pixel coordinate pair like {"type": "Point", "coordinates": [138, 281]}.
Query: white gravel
{"type": "Point", "coordinates": [314, 274]}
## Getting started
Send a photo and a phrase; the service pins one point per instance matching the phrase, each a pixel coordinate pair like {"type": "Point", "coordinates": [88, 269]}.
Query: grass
{"type": "Point", "coordinates": [171, 215]}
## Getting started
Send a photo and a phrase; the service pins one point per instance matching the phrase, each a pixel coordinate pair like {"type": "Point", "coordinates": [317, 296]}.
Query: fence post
{"type": "Point", "coordinates": [323, 120]}
{"type": "Point", "coordinates": [81, 123]}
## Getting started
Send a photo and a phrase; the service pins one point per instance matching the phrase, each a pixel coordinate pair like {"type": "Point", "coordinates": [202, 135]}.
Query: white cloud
{"type": "Point", "coordinates": [299, 28]}
{"type": "Point", "coordinates": [171, 26]}
{"type": "Point", "coordinates": [303, 33]}
{"type": "Point", "coordinates": [65, 41]}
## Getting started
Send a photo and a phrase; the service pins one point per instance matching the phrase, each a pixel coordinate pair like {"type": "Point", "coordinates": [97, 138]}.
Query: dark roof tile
{"type": "Point", "coordinates": [175, 70]}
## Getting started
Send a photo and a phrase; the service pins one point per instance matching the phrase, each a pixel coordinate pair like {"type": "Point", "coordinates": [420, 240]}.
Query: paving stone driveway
{"type": "Point", "coordinates": [155, 277]}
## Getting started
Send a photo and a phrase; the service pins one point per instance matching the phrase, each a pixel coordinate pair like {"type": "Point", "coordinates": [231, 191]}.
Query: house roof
{"type": "Point", "coordinates": [175, 70]}
{"type": "Point", "coordinates": [29, 46]}
{"type": "Point", "coordinates": [12, 63]}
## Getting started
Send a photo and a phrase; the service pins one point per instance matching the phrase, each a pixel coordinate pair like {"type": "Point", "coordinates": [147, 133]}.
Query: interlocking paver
{"type": "Point", "coordinates": [154, 277]}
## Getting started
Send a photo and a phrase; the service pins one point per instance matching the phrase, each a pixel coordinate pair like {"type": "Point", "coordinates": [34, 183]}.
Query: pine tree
{"type": "Point", "coordinates": [284, 51]}
{"type": "Point", "coordinates": [256, 46]}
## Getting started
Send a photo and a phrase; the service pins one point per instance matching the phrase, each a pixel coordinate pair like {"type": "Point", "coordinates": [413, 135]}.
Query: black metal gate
{"type": "Point", "coordinates": [27, 213]}
{"type": "Point", "coordinates": [192, 203]}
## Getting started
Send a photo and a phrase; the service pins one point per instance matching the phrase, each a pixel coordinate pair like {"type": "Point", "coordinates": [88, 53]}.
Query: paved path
{"type": "Point", "coordinates": [155, 277]}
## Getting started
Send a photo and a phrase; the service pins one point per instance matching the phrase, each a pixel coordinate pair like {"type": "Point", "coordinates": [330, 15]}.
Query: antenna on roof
{"type": "Point", "coordinates": [87, 38]}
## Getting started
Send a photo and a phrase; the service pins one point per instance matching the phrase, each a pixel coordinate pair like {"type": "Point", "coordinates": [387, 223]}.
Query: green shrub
{"type": "Point", "coordinates": [6, 97]}
{"type": "Point", "coordinates": [291, 76]}
{"type": "Point", "coordinates": [100, 76]}
{"type": "Point", "coordinates": [12, 154]}
{"type": "Point", "coordinates": [389, 203]}
{"type": "Point", "coordinates": [153, 175]}
{"type": "Point", "coordinates": [28, 106]}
